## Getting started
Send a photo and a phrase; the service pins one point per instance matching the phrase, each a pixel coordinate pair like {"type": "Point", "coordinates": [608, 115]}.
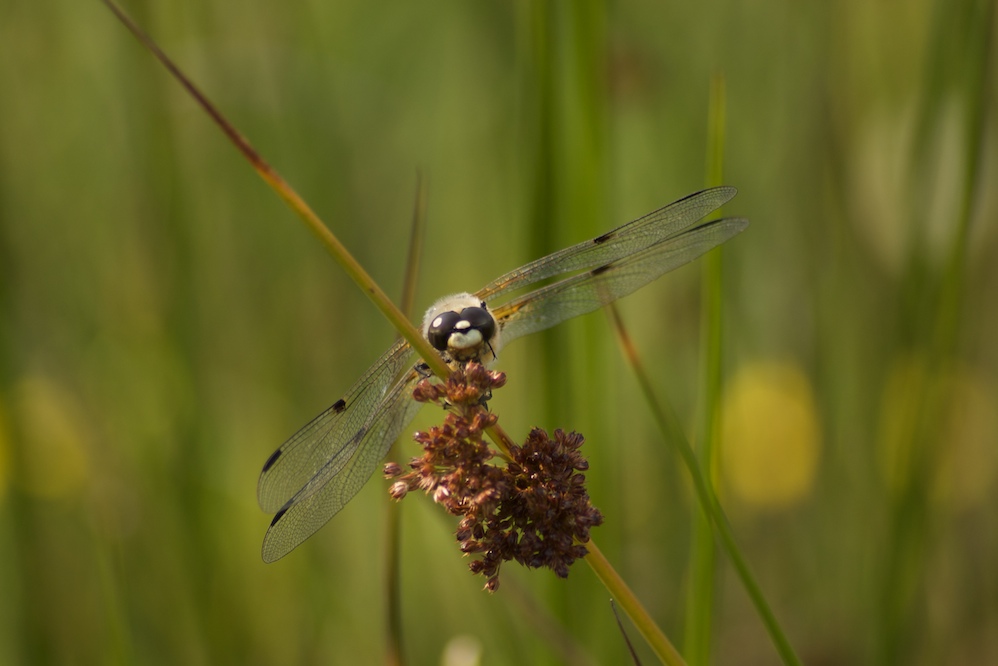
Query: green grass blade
{"type": "Point", "coordinates": [700, 600]}
{"type": "Point", "coordinates": [672, 432]}
{"type": "Point", "coordinates": [930, 323]}
{"type": "Point", "coordinates": [393, 519]}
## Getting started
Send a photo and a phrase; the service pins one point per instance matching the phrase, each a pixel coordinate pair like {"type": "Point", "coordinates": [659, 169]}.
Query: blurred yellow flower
{"type": "Point", "coordinates": [961, 459]}
{"type": "Point", "coordinates": [52, 455]}
{"type": "Point", "coordinates": [968, 461]}
{"type": "Point", "coordinates": [770, 435]}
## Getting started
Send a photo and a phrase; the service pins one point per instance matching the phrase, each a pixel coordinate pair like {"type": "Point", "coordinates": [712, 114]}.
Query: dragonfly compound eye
{"type": "Point", "coordinates": [441, 328]}
{"type": "Point", "coordinates": [481, 321]}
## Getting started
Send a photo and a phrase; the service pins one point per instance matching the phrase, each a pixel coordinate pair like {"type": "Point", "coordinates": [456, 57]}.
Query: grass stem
{"type": "Point", "coordinates": [700, 600]}
{"type": "Point", "coordinates": [668, 422]}
{"type": "Point", "coordinates": [623, 595]}
{"type": "Point", "coordinates": [284, 190]}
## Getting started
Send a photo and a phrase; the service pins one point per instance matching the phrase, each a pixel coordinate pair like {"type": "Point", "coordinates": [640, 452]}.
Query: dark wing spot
{"type": "Point", "coordinates": [280, 514]}
{"type": "Point", "coordinates": [599, 240]}
{"type": "Point", "coordinates": [339, 406]}
{"type": "Point", "coordinates": [272, 459]}
{"type": "Point", "coordinates": [600, 269]}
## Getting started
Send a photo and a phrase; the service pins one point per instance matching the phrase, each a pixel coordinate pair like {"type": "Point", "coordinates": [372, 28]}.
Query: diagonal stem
{"type": "Point", "coordinates": [669, 424]}
{"type": "Point", "coordinates": [639, 615]}
{"type": "Point", "coordinates": [284, 190]}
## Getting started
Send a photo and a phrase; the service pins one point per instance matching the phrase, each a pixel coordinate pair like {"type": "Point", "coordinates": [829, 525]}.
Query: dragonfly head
{"type": "Point", "coordinates": [461, 327]}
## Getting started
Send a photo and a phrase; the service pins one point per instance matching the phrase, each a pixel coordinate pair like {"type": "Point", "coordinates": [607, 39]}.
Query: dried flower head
{"type": "Point", "coordinates": [534, 509]}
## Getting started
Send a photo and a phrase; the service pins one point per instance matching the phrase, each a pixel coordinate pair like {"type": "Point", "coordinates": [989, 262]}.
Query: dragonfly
{"type": "Point", "coordinates": [320, 468]}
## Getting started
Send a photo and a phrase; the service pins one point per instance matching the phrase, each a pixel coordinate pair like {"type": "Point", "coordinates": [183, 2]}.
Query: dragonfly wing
{"type": "Point", "coordinates": [623, 241]}
{"type": "Point", "coordinates": [334, 486]}
{"type": "Point", "coordinates": [326, 441]}
{"type": "Point", "coordinates": [604, 284]}
{"type": "Point", "coordinates": [312, 476]}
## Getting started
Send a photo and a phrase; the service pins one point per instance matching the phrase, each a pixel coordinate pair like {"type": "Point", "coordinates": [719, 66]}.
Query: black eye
{"type": "Point", "coordinates": [480, 320]}
{"type": "Point", "coordinates": [440, 329]}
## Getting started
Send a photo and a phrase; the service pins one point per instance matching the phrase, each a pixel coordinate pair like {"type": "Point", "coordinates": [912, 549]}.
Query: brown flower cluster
{"type": "Point", "coordinates": [534, 509]}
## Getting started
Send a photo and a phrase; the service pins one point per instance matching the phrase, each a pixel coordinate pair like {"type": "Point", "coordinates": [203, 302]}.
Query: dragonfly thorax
{"type": "Point", "coordinates": [461, 327]}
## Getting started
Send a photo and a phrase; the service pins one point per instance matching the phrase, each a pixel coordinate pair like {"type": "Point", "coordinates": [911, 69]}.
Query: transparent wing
{"type": "Point", "coordinates": [623, 241]}
{"type": "Point", "coordinates": [344, 475]}
{"type": "Point", "coordinates": [330, 439]}
{"type": "Point", "coordinates": [606, 283]}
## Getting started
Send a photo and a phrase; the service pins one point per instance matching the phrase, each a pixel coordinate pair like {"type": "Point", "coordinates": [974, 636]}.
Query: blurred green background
{"type": "Point", "coordinates": [165, 322]}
